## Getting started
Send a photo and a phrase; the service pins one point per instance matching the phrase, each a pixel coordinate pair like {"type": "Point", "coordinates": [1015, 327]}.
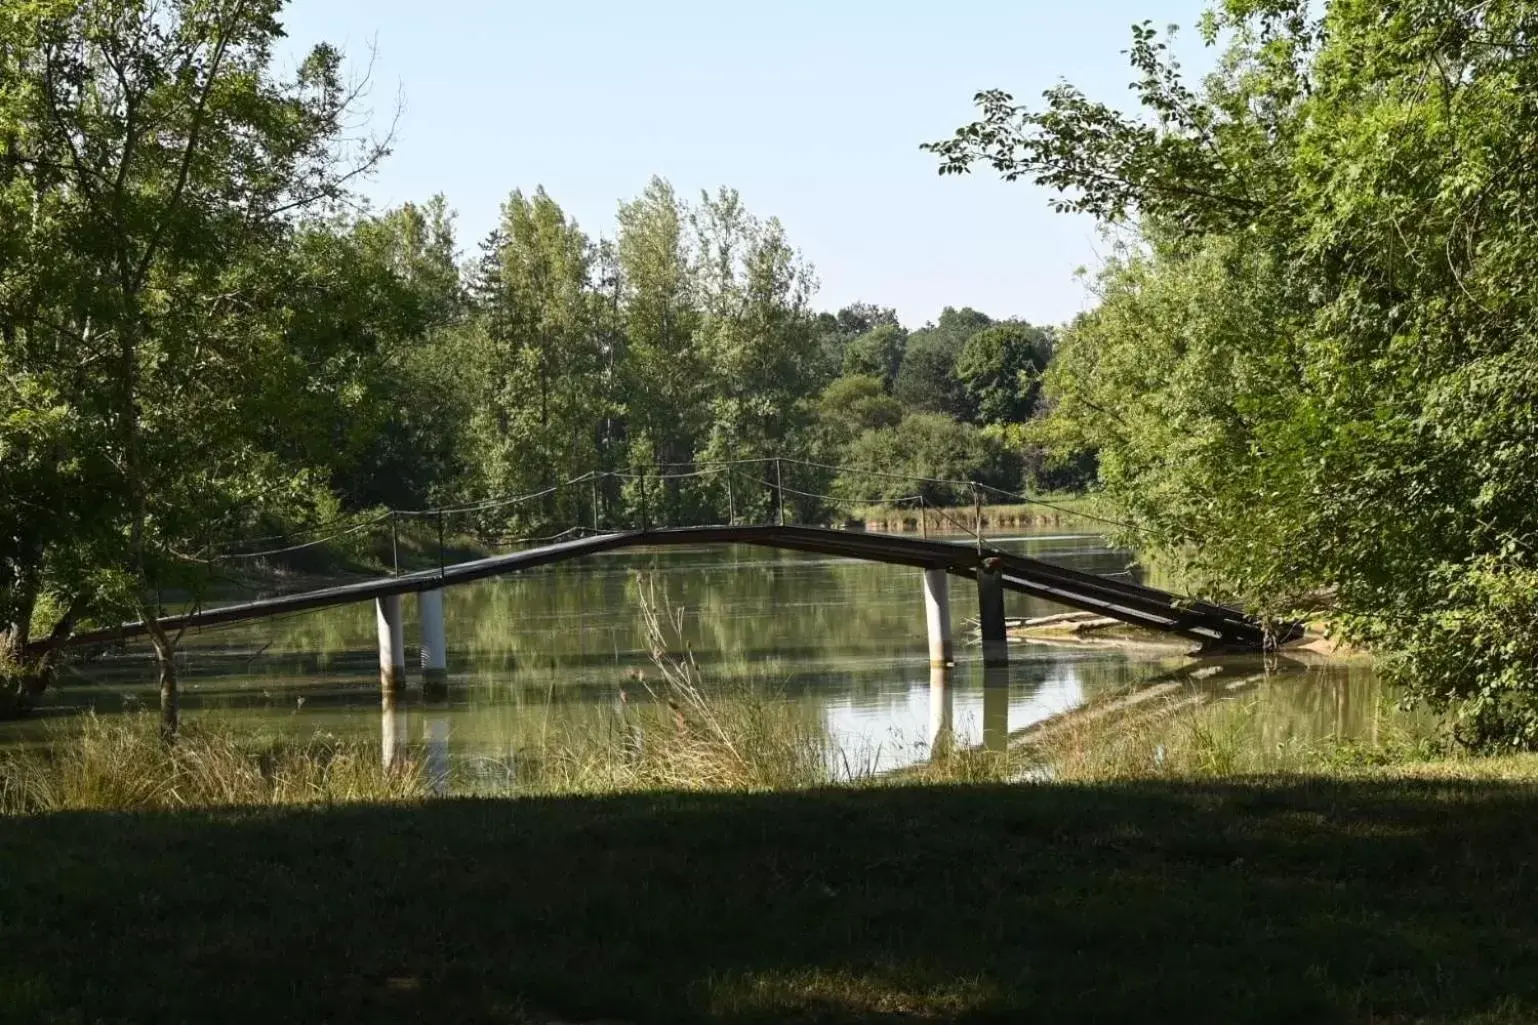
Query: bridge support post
{"type": "Point", "coordinates": [937, 614]}
{"type": "Point", "coordinates": [435, 655]}
{"type": "Point", "coordinates": [392, 645]}
{"type": "Point", "coordinates": [990, 614]}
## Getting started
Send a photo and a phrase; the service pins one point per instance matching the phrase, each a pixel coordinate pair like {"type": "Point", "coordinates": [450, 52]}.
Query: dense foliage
{"type": "Point", "coordinates": [202, 340]}
{"type": "Point", "coordinates": [1312, 376]}
{"type": "Point", "coordinates": [151, 170]}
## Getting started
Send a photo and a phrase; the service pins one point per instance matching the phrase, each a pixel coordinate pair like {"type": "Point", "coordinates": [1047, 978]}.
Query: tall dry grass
{"type": "Point", "coordinates": [123, 764]}
{"type": "Point", "coordinates": [678, 735]}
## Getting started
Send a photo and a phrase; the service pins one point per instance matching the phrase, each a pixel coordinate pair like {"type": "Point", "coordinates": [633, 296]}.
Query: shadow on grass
{"type": "Point", "coordinates": [1132, 903]}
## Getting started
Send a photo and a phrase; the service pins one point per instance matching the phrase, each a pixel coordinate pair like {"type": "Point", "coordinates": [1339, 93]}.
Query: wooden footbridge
{"type": "Point", "coordinates": [1212, 627]}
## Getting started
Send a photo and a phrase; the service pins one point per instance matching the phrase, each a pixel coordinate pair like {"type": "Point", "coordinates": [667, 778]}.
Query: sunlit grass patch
{"type": "Point", "coordinates": [815, 994]}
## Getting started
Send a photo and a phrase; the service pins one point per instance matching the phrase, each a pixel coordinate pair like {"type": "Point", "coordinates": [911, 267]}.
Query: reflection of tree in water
{"type": "Point", "coordinates": [1289, 701]}
{"type": "Point", "coordinates": [1104, 671]}
{"type": "Point", "coordinates": [1285, 703]}
{"type": "Point", "coordinates": [1314, 703]}
{"type": "Point", "coordinates": [793, 606]}
{"type": "Point", "coordinates": [601, 718]}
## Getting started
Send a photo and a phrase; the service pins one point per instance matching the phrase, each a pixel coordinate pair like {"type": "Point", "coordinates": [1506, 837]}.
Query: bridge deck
{"type": "Point", "coordinates": [1211, 625]}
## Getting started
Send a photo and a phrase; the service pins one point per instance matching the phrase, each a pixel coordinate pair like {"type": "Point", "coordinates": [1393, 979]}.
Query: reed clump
{"type": "Point", "coordinates": [124, 764]}
{"type": "Point", "coordinates": [969, 765]}
{"type": "Point", "coordinates": [677, 734]}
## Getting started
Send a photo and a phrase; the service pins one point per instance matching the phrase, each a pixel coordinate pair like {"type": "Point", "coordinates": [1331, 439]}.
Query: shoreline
{"type": "Point", "coordinates": [1050, 512]}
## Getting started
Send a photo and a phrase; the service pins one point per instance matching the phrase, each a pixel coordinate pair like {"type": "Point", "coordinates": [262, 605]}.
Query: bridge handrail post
{"type": "Point", "coordinates": [442, 555]}
{"type": "Point", "coordinates": [595, 501]}
{"type": "Point", "coordinates": [977, 512]}
{"type": "Point", "coordinates": [644, 525]}
{"type": "Point", "coordinates": [731, 501]}
{"type": "Point", "coordinates": [923, 516]}
{"type": "Point", "coordinates": [395, 547]}
{"type": "Point", "coordinates": [779, 489]}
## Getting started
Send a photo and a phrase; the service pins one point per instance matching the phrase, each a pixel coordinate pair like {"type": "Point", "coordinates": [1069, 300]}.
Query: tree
{"type": "Point", "coordinates": [756, 333]}
{"type": "Point", "coordinates": [377, 313]}
{"type": "Point", "coordinates": [664, 373]}
{"type": "Point", "coordinates": [918, 457]}
{"type": "Point", "coordinates": [1310, 378]}
{"type": "Point", "coordinates": [413, 448]}
{"type": "Point", "coordinates": [860, 318]}
{"type": "Point", "coordinates": [852, 405]}
{"type": "Point", "coordinates": [1000, 368]}
{"type": "Point", "coordinates": [538, 415]}
{"type": "Point", "coordinates": [151, 165]}
{"type": "Point", "coordinates": [877, 353]}
{"type": "Point", "coordinates": [927, 380]}
{"type": "Point", "coordinates": [838, 330]}
{"type": "Point", "coordinates": [956, 326]}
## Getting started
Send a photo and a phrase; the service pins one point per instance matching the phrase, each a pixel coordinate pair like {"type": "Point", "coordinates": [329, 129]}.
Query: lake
{"type": "Point", "coordinates": [842, 640]}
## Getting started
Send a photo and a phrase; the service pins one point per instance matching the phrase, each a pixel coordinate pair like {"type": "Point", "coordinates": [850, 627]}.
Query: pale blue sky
{"type": "Point", "coordinates": [812, 110]}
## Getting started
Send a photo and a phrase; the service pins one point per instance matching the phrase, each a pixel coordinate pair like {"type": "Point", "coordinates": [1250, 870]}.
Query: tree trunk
{"type": "Point", "coordinates": [24, 673]}
{"type": "Point", "coordinates": [22, 684]}
{"type": "Point", "coordinates": [165, 661]}
{"type": "Point", "coordinates": [36, 664]}
{"type": "Point", "coordinates": [12, 683]}
{"type": "Point", "coordinates": [170, 706]}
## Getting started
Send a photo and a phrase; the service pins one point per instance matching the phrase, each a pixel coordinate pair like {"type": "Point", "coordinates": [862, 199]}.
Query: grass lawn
{"type": "Point", "coordinates": [1300, 901]}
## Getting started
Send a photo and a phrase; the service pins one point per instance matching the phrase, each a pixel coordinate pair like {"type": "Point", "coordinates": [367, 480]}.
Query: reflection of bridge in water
{"type": "Point", "coordinates": [942, 710]}
{"type": "Point", "coordinates": [424, 729]}
{"type": "Point", "coordinates": [996, 719]}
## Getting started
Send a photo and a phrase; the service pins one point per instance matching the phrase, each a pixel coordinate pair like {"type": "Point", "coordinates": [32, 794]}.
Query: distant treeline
{"type": "Point", "coordinates": [685, 341]}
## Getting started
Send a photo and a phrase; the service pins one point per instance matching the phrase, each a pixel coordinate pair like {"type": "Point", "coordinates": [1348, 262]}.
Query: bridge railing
{"type": "Point", "coordinates": [750, 491]}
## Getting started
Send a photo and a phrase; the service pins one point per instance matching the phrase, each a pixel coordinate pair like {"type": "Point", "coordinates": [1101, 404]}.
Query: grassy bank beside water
{"type": "Point", "coordinates": [1377, 880]}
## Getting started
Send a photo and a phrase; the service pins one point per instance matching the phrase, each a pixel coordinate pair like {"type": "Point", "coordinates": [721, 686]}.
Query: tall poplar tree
{"type": "Point", "coordinates": [542, 361]}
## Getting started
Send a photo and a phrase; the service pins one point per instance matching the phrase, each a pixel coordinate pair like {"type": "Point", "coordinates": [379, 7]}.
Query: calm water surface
{"type": "Point", "coordinates": [843, 640]}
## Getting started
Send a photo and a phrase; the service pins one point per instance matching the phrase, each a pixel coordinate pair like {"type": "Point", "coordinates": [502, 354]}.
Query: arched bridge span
{"type": "Point", "coordinates": [1212, 626]}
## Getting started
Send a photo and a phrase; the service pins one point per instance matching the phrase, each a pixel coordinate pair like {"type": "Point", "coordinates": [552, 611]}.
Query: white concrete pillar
{"type": "Point", "coordinates": [996, 708]}
{"type": "Point", "coordinates": [435, 655]}
{"type": "Point", "coordinates": [392, 645]}
{"type": "Point", "coordinates": [937, 614]}
{"type": "Point", "coordinates": [990, 615]}
{"type": "Point", "coordinates": [942, 713]}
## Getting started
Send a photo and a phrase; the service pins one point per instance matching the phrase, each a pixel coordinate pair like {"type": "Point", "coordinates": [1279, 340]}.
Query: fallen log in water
{"type": "Point", "coordinates": [1019, 623]}
{"type": "Point", "coordinates": [1066, 622]}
